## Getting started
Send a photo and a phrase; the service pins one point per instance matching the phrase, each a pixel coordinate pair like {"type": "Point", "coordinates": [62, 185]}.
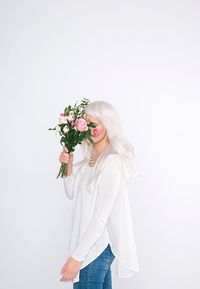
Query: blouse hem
{"type": "Point", "coordinates": [119, 260]}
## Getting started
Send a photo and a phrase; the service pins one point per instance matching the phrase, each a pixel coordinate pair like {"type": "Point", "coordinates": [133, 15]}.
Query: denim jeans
{"type": "Point", "coordinates": [97, 274]}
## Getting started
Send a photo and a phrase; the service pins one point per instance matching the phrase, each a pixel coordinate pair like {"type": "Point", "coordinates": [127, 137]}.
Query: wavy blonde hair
{"type": "Point", "coordinates": [118, 143]}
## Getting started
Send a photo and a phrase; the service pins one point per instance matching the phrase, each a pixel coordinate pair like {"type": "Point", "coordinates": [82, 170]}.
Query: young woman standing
{"type": "Point", "coordinates": [102, 227]}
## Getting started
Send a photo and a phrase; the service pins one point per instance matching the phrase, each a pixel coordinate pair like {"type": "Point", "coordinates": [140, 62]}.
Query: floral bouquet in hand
{"type": "Point", "coordinates": [73, 129]}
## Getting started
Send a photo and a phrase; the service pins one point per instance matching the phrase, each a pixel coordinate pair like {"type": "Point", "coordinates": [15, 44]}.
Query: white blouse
{"type": "Point", "coordinates": [101, 217]}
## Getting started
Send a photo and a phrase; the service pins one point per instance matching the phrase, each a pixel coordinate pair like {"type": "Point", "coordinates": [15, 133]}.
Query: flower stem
{"type": "Point", "coordinates": [63, 170]}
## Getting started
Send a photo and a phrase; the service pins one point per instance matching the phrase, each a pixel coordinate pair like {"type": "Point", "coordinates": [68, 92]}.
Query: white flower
{"type": "Point", "coordinates": [65, 129]}
{"type": "Point", "coordinates": [57, 129]}
{"type": "Point", "coordinates": [70, 117]}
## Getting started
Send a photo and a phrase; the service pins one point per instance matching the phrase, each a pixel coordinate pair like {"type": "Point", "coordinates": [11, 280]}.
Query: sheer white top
{"type": "Point", "coordinates": [101, 217]}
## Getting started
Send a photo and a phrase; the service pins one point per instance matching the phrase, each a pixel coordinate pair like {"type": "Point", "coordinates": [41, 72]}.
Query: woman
{"type": "Point", "coordinates": [102, 223]}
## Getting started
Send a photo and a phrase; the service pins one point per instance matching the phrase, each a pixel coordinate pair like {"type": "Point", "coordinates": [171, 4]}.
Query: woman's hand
{"type": "Point", "coordinates": [66, 157]}
{"type": "Point", "coordinates": [70, 269]}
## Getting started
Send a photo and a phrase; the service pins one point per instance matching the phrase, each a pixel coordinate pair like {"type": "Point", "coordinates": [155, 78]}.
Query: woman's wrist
{"type": "Point", "coordinates": [69, 170]}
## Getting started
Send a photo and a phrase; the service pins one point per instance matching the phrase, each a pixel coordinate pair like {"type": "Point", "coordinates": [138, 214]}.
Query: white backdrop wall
{"type": "Point", "coordinates": [143, 56]}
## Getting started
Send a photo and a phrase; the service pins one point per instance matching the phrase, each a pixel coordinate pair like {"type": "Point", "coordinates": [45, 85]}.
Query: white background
{"type": "Point", "coordinates": [143, 56]}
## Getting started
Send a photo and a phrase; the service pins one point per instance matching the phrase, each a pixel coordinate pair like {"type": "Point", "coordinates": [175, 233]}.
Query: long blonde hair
{"type": "Point", "coordinates": [118, 143]}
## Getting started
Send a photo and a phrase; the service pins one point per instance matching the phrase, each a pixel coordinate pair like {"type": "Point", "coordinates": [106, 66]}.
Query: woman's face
{"type": "Point", "coordinates": [99, 131]}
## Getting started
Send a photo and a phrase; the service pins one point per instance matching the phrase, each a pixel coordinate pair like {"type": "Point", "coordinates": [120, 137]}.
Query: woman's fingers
{"type": "Point", "coordinates": [65, 149]}
{"type": "Point", "coordinates": [67, 275]}
{"type": "Point", "coordinates": [66, 157]}
{"type": "Point", "coordinates": [63, 268]}
{"type": "Point", "coordinates": [70, 269]}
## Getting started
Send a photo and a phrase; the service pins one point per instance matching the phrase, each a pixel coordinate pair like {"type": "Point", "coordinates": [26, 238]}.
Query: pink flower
{"type": "Point", "coordinates": [62, 118]}
{"type": "Point", "coordinates": [80, 124]}
{"type": "Point", "coordinates": [95, 131]}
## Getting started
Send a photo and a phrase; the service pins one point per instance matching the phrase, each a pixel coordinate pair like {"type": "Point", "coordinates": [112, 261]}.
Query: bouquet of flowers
{"type": "Point", "coordinates": [73, 129]}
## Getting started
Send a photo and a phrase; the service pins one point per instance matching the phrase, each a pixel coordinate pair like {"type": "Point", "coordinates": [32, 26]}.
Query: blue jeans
{"type": "Point", "coordinates": [97, 274]}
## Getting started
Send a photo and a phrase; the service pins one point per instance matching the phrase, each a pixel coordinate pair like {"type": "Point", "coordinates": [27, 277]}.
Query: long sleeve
{"type": "Point", "coordinates": [109, 185]}
{"type": "Point", "coordinates": [68, 182]}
